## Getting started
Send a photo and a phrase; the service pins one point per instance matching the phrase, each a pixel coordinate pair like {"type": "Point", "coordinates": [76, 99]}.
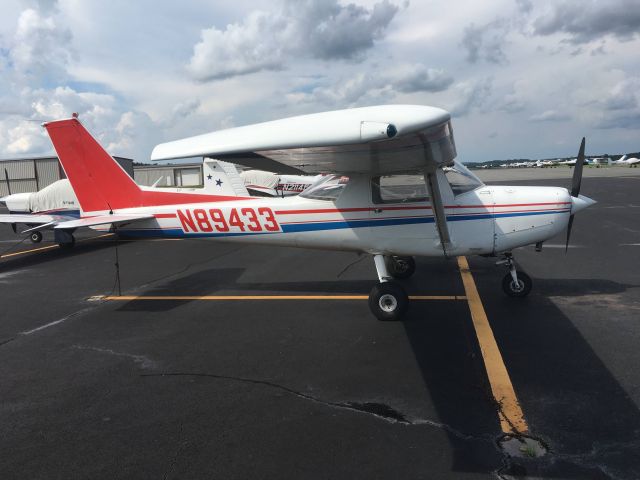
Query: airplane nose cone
{"type": "Point", "coordinates": [580, 203]}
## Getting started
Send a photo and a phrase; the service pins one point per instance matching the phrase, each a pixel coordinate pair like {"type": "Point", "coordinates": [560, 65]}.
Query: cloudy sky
{"type": "Point", "coordinates": [522, 79]}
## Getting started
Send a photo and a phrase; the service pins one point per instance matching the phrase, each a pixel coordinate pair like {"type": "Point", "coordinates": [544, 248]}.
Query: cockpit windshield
{"type": "Point", "coordinates": [461, 179]}
{"type": "Point", "coordinates": [328, 187]}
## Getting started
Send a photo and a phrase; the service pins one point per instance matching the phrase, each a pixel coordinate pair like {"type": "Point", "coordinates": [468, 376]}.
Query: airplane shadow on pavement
{"type": "Point", "coordinates": [570, 399]}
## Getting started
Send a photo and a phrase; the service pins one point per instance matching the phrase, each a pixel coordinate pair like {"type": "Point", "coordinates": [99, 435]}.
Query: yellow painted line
{"type": "Point", "coordinates": [510, 413]}
{"type": "Point", "coordinates": [235, 297]}
{"type": "Point", "coordinates": [266, 297]}
{"type": "Point", "coordinates": [50, 247]}
{"type": "Point", "coordinates": [22, 252]}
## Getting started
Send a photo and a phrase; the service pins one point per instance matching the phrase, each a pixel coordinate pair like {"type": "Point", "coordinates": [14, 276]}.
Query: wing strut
{"type": "Point", "coordinates": [438, 209]}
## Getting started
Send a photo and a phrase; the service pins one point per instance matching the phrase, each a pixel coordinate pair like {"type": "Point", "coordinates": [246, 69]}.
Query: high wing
{"type": "Point", "coordinates": [383, 139]}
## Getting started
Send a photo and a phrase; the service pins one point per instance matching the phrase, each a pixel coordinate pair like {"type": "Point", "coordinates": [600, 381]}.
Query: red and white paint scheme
{"type": "Point", "coordinates": [395, 192]}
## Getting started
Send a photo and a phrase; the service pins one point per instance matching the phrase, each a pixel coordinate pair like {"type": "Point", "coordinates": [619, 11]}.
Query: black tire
{"type": "Point", "coordinates": [36, 237]}
{"type": "Point", "coordinates": [388, 301]}
{"type": "Point", "coordinates": [68, 245]}
{"type": "Point", "coordinates": [523, 288]}
{"type": "Point", "coordinates": [400, 267]}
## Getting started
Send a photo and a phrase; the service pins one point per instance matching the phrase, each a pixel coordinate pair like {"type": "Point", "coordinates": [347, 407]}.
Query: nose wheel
{"type": "Point", "coordinates": [516, 283]}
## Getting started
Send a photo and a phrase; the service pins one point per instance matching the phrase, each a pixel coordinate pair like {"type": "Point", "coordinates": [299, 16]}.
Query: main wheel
{"type": "Point", "coordinates": [36, 237]}
{"type": "Point", "coordinates": [68, 245]}
{"type": "Point", "coordinates": [400, 267]}
{"type": "Point", "coordinates": [388, 301]}
{"type": "Point", "coordinates": [520, 289]}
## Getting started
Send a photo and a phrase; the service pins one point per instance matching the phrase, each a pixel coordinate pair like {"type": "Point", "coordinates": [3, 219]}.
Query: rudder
{"type": "Point", "coordinates": [98, 181]}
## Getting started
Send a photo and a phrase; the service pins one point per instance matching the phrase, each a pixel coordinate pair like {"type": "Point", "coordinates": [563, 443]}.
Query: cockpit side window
{"type": "Point", "coordinates": [398, 189]}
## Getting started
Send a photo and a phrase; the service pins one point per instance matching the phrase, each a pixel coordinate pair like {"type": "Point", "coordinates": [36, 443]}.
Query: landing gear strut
{"type": "Point", "coordinates": [516, 283]}
{"type": "Point", "coordinates": [387, 300]}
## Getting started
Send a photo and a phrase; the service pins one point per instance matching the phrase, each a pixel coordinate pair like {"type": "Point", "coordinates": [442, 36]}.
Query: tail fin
{"type": "Point", "coordinates": [99, 182]}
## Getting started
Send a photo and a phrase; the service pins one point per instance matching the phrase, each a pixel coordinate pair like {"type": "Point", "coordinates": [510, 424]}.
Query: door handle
{"type": "Point", "coordinates": [377, 210]}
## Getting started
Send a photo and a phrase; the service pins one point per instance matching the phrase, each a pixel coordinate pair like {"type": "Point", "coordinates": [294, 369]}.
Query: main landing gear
{"type": "Point", "coordinates": [388, 300]}
{"type": "Point", "coordinates": [64, 238]}
{"type": "Point", "coordinates": [515, 283]}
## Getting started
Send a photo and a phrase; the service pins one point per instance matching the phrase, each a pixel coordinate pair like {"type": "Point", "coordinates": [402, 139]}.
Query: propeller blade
{"type": "Point", "coordinates": [566, 248]}
{"type": "Point", "coordinates": [6, 177]}
{"type": "Point", "coordinates": [577, 172]}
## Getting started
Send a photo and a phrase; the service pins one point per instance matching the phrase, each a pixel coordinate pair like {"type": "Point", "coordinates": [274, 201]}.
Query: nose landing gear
{"type": "Point", "coordinates": [516, 283]}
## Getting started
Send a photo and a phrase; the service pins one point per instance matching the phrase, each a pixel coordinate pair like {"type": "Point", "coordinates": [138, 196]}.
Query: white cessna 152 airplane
{"type": "Point", "coordinates": [395, 191]}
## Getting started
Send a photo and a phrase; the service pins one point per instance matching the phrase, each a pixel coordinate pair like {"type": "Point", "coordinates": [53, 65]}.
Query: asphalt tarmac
{"type": "Point", "coordinates": [318, 388]}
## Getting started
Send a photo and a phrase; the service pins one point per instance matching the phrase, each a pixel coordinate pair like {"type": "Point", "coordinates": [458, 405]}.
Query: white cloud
{"type": "Point", "coordinates": [376, 87]}
{"type": "Point", "coordinates": [585, 20]}
{"type": "Point", "coordinates": [121, 66]}
{"type": "Point", "coordinates": [40, 46]}
{"type": "Point", "coordinates": [470, 96]}
{"type": "Point", "coordinates": [550, 116]}
{"type": "Point", "coordinates": [486, 42]}
{"type": "Point", "coordinates": [299, 29]}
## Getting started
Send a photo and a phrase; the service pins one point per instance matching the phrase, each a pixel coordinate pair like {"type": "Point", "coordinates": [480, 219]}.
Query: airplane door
{"type": "Point", "coordinates": [401, 216]}
{"type": "Point", "coordinates": [469, 208]}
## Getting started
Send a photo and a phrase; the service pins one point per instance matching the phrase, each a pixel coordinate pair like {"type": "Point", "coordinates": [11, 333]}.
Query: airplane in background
{"type": "Point", "coordinates": [57, 202]}
{"type": "Point", "coordinates": [624, 161]}
{"type": "Point", "coordinates": [543, 164]}
{"type": "Point", "coordinates": [395, 191]}
{"type": "Point", "coordinates": [263, 183]}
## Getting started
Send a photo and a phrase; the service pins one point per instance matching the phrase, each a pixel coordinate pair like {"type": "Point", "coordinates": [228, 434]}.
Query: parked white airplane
{"type": "Point", "coordinates": [57, 202]}
{"type": "Point", "coordinates": [624, 161]}
{"type": "Point", "coordinates": [260, 182]}
{"type": "Point", "coordinates": [388, 196]}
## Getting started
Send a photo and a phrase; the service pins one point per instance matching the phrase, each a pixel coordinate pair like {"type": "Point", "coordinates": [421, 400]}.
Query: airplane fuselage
{"type": "Point", "coordinates": [486, 220]}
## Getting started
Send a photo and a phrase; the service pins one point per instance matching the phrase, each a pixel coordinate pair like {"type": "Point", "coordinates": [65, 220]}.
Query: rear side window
{"type": "Point", "coordinates": [399, 189]}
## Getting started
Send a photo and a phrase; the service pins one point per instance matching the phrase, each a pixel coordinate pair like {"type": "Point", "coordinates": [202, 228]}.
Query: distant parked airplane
{"type": "Point", "coordinates": [624, 161]}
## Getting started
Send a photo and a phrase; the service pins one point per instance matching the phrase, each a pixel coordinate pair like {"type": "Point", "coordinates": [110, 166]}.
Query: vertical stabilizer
{"type": "Point", "coordinates": [98, 181]}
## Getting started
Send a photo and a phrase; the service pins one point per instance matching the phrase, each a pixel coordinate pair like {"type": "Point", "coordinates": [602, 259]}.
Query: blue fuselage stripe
{"type": "Point", "coordinates": [330, 225]}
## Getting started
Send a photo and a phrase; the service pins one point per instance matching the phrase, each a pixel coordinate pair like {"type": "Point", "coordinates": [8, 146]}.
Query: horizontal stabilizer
{"type": "Point", "coordinates": [102, 220]}
{"type": "Point", "coordinates": [27, 219]}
